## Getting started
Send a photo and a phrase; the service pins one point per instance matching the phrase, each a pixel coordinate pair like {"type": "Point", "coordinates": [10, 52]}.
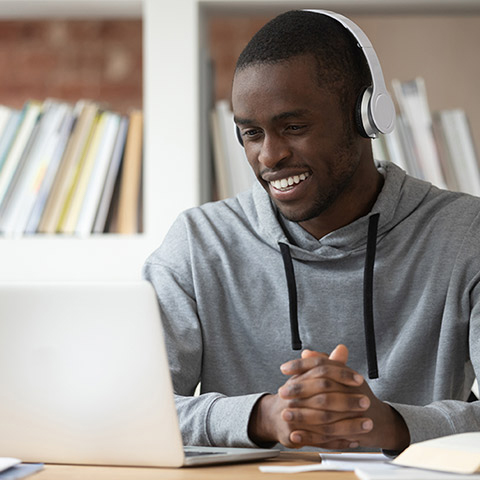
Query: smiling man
{"type": "Point", "coordinates": [329, 252]}
{"type": "Point", "coordinates": [302, 143]}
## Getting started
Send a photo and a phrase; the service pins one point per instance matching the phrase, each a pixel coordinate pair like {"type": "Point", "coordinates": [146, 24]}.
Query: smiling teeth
{"type": "Point", "coordinates": [286, 183]}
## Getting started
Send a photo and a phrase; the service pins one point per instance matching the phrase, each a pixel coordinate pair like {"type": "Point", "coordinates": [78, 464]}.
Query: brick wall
{"type": "Point", "coordinates": [227, 38]}
{"type": "Point", "coordinates": [70, 60]}
{"type": "Point", "coordinates": [440, 48]}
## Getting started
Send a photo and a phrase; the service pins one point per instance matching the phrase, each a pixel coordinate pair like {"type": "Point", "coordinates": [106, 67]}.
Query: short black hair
{"type": "Point", "coordinates": [341, 65]}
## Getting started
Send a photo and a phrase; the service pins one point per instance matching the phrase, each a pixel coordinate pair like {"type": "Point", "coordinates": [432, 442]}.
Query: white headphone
{"type": "Point", "coordinates": [375, 111]}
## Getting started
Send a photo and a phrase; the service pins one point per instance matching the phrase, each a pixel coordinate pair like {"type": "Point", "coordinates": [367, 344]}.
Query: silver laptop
{"type": "Point", "coordinates": [84, 379]}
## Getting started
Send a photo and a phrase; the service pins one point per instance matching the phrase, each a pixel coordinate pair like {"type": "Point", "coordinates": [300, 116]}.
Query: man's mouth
{"type": "Point", "coordinates": [287, 183]}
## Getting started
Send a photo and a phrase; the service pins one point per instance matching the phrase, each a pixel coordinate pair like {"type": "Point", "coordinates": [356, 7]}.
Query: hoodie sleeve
{"type": "Point", "coordinates": [209, 418]}
{"type": "Point", "coordinates": [439, 419]}
{"type": "Point", "coordinates": [449, 417]}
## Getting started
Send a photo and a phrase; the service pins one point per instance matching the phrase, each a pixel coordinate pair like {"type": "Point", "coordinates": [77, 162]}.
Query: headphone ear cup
{"type": "Point", "coordinates": [239, 136]}
{"type": "Point", "coordinates": [362, 114]}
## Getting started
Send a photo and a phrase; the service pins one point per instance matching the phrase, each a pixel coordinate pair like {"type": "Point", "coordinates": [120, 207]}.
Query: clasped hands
{"type": "Point", "coordinates": [328, 405]}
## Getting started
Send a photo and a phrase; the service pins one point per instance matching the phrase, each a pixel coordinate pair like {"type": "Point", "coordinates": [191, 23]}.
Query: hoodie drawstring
{"type": "Point", "coordinates": [368, 296]}
{"type": "Point", "coordinates": [368, 272]}
{"type": "Point", "coordinates": [292, 296]}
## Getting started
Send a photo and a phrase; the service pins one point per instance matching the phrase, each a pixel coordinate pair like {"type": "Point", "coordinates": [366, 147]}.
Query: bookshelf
{"type": "Point", "coordinates": [175, 94]}
{"type": "Point", "coordinates": [169, 186]}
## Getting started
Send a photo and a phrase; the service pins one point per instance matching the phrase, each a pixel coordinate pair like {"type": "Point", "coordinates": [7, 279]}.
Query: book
{"type": "Point", "coordinates": [24, 194]}
{"type": "Point", "coordinates": [8, 134]}
{"type": "Point", "coordinates": [106, 199]}
{"type": "Point", "coordinates": [412, 100]}
{"type": "Point", "coordinates": [5, 113]}
{"type": "Point", "coordinates": [97, 172]}
{"type": "Point", "coordinates": [459, 453]}
{"type": "Point", "coordinates": [31, 112]}
{"type": "Point", "coordinates": [78, 186]}
{"type": "Point", "coordinates": [444, 154]}
{"type": "Point", "coordinates": [46, 183]}
{"type": "Point", "coordinates": [455, 140]}
{"type": "Point", "coordinates": [241, 176]}
{"type": "Point", "coordinates": [131, 177]}
{"type": "Point", "coordinates": [223, 185]}
{"type": "Point", "coordinates": [65, 179]}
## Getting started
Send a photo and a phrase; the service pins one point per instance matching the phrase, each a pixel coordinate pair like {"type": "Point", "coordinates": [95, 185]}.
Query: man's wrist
{"type": "Point", "coordinates": [260, 425]}
{"type": "Point", "coordinates": [400, 435]}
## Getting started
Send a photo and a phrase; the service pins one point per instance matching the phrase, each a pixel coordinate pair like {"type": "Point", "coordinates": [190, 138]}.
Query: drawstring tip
{"type": "Point", "coordinates": [372, 374]}
{"type": "Point", "coordinates": [296, 345]}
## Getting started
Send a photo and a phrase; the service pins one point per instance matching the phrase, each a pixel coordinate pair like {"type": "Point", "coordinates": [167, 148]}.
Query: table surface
{"type": "Point", "coordinates": [238, 471]}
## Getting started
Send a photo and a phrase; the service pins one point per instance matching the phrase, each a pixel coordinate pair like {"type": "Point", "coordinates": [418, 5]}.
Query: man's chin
{"type": "Point", "coordinates": [296, 216]}
{"type": "Point", "coordinates": [299, 215]}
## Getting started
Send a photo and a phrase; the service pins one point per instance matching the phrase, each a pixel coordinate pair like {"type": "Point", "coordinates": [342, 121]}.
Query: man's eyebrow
{"type": "Point", "coordinates": [281, 116]}
{"type": "Point", "coordinates": [242, 121]}
{"type": "Point", "coordinates": [293, 113]}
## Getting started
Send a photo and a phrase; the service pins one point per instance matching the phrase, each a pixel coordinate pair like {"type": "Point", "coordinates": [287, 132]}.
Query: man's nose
{"type": "Point", "coordinates": [274, 149]}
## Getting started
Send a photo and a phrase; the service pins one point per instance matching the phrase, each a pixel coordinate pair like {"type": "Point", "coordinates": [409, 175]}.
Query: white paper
{"type": "Point", "coordinates": [334, 461]}
{"type": "Point", "coordinates": [7, 462]}
{"type": "Point", "coordinates": [367, 466]}
{"type": "Point", "coordinates": [406, 473]}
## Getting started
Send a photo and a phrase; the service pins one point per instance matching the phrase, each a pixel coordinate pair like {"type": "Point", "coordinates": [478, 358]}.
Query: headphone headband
{"type": "Point", "coordinates": [381, 110]}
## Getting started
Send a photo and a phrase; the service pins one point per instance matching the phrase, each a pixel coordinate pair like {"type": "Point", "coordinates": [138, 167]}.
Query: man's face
{"type": "Point", "coordinates": [297, 138]}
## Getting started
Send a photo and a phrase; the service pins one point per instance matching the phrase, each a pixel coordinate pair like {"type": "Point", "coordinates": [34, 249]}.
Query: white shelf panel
{"type": "Point", "coordinates": [57, 258]}
{"type": "Point", "coordinates": [37, 9]}
{"type": "Point", "coordinates": [352, 6]}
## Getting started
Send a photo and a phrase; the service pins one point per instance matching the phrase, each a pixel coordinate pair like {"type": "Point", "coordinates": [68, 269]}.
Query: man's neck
{"type": "Point", "coordinates": [354, 204]}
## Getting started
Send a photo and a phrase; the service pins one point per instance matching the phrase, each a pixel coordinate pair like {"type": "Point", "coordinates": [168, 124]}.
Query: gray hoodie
{"type": "Point", "coordinates": [231, 317]}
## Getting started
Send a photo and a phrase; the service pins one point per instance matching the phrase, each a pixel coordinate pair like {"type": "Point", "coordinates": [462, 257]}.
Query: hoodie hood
{"type": "Point", "coordinates": [399, 197]}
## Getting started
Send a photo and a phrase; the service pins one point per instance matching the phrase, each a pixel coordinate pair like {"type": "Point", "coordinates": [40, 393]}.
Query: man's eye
{"type": "Point", "coordinates": [295, 127]}
{"type": "Point", "coordinates": [250, 133]}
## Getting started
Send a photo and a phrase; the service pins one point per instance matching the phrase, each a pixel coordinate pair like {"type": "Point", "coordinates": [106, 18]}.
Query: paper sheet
{"type": "Point", "coordinates": [367, 466]}
{"type": "Point", "coordinates": [20, 470]}
{"type": "Point", "coordinates": [405, 473]}
{"type": "Point", "coordinates": [334, 461]}
{"type": "Point", "coordinates": [7, 462]}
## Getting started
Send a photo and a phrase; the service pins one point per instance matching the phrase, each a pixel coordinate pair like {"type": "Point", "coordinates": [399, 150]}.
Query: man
{"type": "Point", "coordinates": [328, 248]}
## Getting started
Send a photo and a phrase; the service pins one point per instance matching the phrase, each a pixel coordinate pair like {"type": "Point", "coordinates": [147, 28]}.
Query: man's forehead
{"type": "Point", "coordinates": [300, 65]}
{"type": "Point", "coordinates": [283, 115]}
{"type": "Point", "coordinates": [276, 91]}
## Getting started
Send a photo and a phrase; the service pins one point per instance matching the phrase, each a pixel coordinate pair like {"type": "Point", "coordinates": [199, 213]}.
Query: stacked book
{"type": "Point", "coordinates": [70, 169]}
{"type": "Point", "coordinates": [233, 173]}
{"type": "Point", "coordinates": [437, 147]}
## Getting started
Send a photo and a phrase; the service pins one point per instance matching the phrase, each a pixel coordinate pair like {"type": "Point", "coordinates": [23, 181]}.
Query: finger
{"type": "Point", "coordinates": [339, 445]}
{"type": "Point", "coordinates": [316, 366]}
{"type": "Point", "coordinates": [303, 418]}
{"type": "Point", "coordinates": [310, 353]}
{"type": "Point", "coordinates": [350, 430]}
{"type": "Point", "coordinates": [332, 402]}
{"type": "Point", "coordinates": [303, 386]}
{"type": "Point", "coordinates": [339, 354]}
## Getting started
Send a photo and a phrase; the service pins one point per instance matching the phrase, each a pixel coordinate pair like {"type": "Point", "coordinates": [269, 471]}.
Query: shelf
{"type": "Point", "coordinates": [175, 119]}
{"type": "Point", "coordinates": [56, 258]}
{"type": "Point", "coordinates": [38, 9]}
{"type": "Point", "coordinates": [353, 6]}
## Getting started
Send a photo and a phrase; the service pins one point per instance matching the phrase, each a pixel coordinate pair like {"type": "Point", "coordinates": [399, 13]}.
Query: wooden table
{"type": "Point", "coordinates": [241, 471]}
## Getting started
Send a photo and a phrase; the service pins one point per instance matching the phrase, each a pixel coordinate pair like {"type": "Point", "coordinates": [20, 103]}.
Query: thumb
{"type": "Point", "coordinates": [339, 354]}
{"type": "Point", "coordinates": [311, 353]}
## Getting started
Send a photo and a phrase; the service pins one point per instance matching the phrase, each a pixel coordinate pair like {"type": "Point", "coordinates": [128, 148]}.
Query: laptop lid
{"type": "Point", "coordinates": [84, 376]}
